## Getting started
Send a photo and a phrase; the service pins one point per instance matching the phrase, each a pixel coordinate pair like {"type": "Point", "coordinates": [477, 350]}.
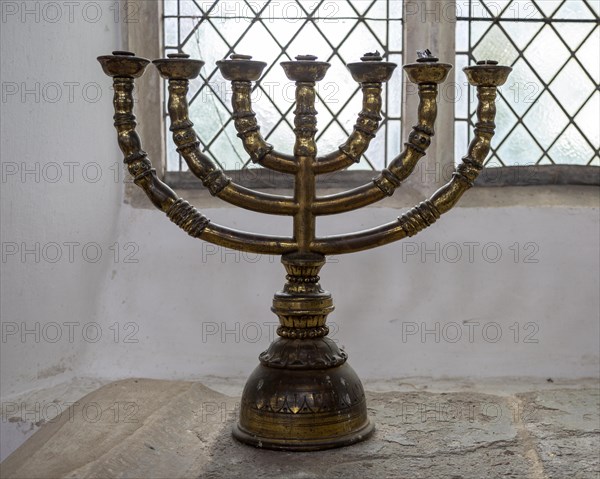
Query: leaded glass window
{"type": "Point", "coordinates": [339, 32]}
{"type": "Point", "coordinates": [548, 112]}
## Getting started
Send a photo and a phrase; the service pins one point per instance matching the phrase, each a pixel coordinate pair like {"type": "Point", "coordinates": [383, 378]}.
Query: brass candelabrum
{"type": "Point", "coordinates": [303, 395]}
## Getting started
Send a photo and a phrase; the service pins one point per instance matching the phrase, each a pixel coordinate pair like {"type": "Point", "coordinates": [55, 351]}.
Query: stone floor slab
{"type": "Point", "coordinates": [176, 429]}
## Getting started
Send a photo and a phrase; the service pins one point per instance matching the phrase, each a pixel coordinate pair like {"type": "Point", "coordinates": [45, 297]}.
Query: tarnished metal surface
{"type": "Point", "coordinates": [303, 395]}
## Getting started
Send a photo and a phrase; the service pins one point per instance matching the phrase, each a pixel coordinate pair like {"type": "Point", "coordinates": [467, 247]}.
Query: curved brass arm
{"type": "Point", "coordinates": [162, 196]}
{"type": "Point", "coordinates": [486, 79]}
{"type": "Point", "coordinates": [257, 201]}
{"type": "Point", "coordinates": [244, 120]}
{"type": "Point", "coordinates": [138, 164]}
{"type": "Point", "coordinates": [241, 70]}
{"type": "Point", "coordinates": [427, 74]}
{"type": "Point", "coordinates": [249, 242]}
{"type": "Point", "coordinates": [204, 168]}
{"type": "Point", "coordinates": [362, 134]}
{"type": "Point", "coordinates": [347, 200]}
{"type": "Point", "coordinates": [403, 165]}
{"type": "Point", "coordinates": [359, 241]}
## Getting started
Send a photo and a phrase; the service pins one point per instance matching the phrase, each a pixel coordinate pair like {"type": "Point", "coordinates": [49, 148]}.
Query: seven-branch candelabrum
{"type": "Point", "coordinates": [292, 401]}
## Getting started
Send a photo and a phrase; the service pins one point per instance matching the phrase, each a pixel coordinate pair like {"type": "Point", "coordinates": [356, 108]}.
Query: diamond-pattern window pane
{"type": "Point", "coordinates": [275, 31]}
{"type": "Point", "coordinates": [571, 148]}
{"type": "Point", "coordinates": [521, 146]}
{"type": "Point", "coordinates": [587, 119]}
{"type": "Point", "coordinates": [548, 110]}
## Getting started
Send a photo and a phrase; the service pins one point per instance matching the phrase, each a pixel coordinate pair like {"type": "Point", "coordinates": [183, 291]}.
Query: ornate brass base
{"type": "Point", "coordinates": [303, 396]}
{"type": "Point", "coordinates": [303, 410]}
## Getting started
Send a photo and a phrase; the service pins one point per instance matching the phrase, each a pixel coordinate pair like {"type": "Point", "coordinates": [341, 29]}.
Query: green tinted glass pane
{"type": "Point", "coordinates": [208, 114]}
{"type": "Point", "coordinates": [571, 148]}
{"type": "Point", "coordinates": [462, 36]}
{"type": "Point", "coordinates": [548, 7]}
{"type": "Point", "coordinates": [494, 8]}
{"type": "Point", "coordinates": [588, 55]}
{"type": "Point", "coordinates": [588, 119]}
{"type": "Point", "coordinates": [523, 87]}
{"type": "Point", "coordinates": [360, 41]}
{"type": "Point", "coordinates": [521, 33]}
{"type": "Point", "coordinates": [574, 9]}
{"type": "Point", "coordinates": [594, 5]}
{"type": "Point", "coordinates": [574, 33]}
{"type": "Point", "coordinates": [228, 149]}
{"type": "Point", "coordinates": [546, 65]}
{"type": "Point", "coordinates": [496, 46]}
{"type": "Point", "coordinates": [519, 149]}
{"type": "Point", "coordinates": [572, 87]}
{"type": "Point", "coordinates": [206, 44]}
{"type": "Point", "coordinates": [522, 10]}
{"type": "Point", "coordinates": [170, 32]}
{"type": "Point", "coordinates": [546, 120]}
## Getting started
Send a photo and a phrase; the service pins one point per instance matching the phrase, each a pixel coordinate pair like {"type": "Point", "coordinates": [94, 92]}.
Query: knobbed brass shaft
{"type": "Point", "coordinates": [303, 395]}
{"type": "Point", "coordinates": [364, 131]}
{"type": "Point", "coordinates": [241, 70]}
{"type": "Point", "coordinates": [370, 73]}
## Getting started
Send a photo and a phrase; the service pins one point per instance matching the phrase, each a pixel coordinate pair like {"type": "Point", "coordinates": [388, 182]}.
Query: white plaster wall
{"type": "Point", "coordinates": [53, 125]}
{"type": "Point", "coordinates": [200, 310]}
{"type": "Point", "coordinates": [167, 313]}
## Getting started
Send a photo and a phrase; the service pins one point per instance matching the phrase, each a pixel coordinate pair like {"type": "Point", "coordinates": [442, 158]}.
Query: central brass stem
{"type": "Point", "coordinates": [305, 153]}
{"type": "Point", "coordinates": [304, 195]}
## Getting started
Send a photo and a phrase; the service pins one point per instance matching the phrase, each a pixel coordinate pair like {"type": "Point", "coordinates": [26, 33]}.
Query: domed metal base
{"type": "Point", "coordinates": [296, 409]}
